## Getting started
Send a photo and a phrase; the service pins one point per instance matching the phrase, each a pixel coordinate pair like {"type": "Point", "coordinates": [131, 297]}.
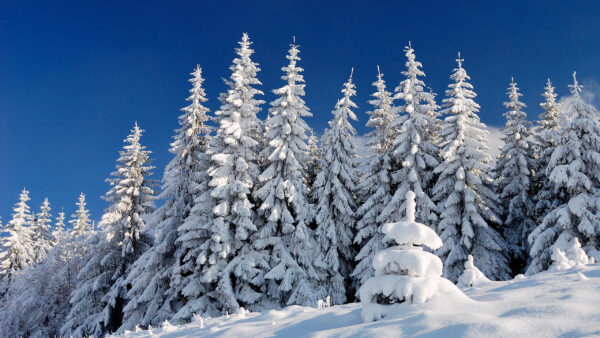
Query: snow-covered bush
{"type": "Point", "coordinates": [566, 256]}
{"type": "Point", "coordinates": [404, 273]}
{"type": "Point", "coordinates": [471, 276]}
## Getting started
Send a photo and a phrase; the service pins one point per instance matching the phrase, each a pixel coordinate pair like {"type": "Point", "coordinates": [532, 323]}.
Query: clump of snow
{"type": "Point", "coordinates": [472, 276]}
{"type": "Point", "coordinates": [565, 256]}
{"type": "Point", "coordinates": [404, 273]}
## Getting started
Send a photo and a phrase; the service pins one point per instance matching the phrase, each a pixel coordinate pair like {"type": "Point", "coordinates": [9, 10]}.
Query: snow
{"type": "Point", "coordinates": [548, 304]}
{"type": "Point", "coordinates": [472, 276]}
{"type": "Point", "coordinates": [412, 233]}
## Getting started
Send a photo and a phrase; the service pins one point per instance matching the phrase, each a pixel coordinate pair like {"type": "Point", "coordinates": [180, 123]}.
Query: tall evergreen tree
{"type": "Point", "coordinates": [153, 298]}
{"type": "Point", "coordinates": [59, 228]}
{"type": "Point", "coordinates": [466, 202]}
{"type": "Point", "coordinates": [335, 187]}
{"type": "Point", "coordinates": [80, 220]}
{"type": "Point", "coordinates": [574, 169]}
{"type": "Point", "coordinates": [18, 248]}
{"type": "Point", "coordinates": [284, 237]}
{"type": "Point", "coordinates": [513, 170]}
{"type": "Point", "coordinates": [313, 165]}
{"type": "Point", "coordinates": [226, 262]}
{"type": "Point", "coordinates": [374, 189]}
{"type": "Point", "coordinates": [546, 136]}
{"type": "Point", "coordinates": [413, 152]}
{"type": "Point", "coordinates": [101, 291]}
{"type": "Point", "coordinates": [42, 235]}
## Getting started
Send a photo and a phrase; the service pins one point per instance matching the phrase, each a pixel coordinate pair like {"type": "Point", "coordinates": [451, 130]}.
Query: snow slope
{"type": "Point", "coordinates": [549, 304]}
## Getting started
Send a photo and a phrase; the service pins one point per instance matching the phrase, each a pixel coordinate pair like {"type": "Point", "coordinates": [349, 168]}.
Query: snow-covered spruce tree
{"type": "Point", "coordinates": [80, 220]}
{"type": "Point", "coordinates": [152, 297]}
{"type": "Point", "coordinates": [546, 136]}
{"type": "Point", "coordinates": [313, 165]}
{"type": "Point", "coordinates": [42, 235]}
{"type": "Point", "coordinates": [101, 292]}
{"type": "Point", "coordinates": [43, 292]}
{"type": "Point", "coordinates": [574, 169]}
{"type": "Point", "coordinates": [282, 199]}
{"type": "Point", "coordinates": [18, 247]}
{"type": "Point", "coordinates": [405, 273]}
{"type": "Point", "coordinates": [374, 189]}
{"type": "Point", "coordinates": [513, 171]}
{"type": "Point", "coordinates": [227, 261]}
{"type": "Point", "coordinates": [413, 152]}
{"type": "Point", "coordinates": [59, 228]}
{"type": "Point", "coordinates": [463, 193]}
{"type": "Point", "coordinates": [334, 188]}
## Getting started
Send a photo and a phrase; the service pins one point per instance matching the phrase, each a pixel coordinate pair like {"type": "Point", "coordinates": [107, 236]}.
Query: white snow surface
{"type": "Point", "coordinates": [548, 304]}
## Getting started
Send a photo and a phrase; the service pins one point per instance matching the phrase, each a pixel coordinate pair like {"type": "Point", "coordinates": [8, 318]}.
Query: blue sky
{"type": "Point", "coordinates": [74, 76]}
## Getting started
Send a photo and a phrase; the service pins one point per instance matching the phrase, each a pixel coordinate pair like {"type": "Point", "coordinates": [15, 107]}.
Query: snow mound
{"type": "Point", "coordinates": [471, 276]}
{"type": "Point", "coordinates": [548, 304]}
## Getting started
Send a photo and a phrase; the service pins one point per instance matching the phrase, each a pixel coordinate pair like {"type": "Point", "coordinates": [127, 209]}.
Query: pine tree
{"type": "Point", "coordinates": [466, 202]}
{"type": "Point", "coordinates": [284, 238]}
{"type": "Point", "coordinates": [80, 220]}
{"type": "Point", "coordinates": [233, 172]}
{"type": "Point", "coordinates": [153, 298]}
{"type": "Point", "coordinates": [574, 169]}
{"type": "Point", "coordinates": [374, 189]}
{"type": "Point", "coordinates": [42, 235]}
{"type": "Point", "coordinates": [413, 153]}
{"type": "Point", "coordinates": [513, 168]}
{"type": "Point", "coordinates": [100, 295]}
{"type": "Point", "coordinates": [335, 212]}
{"type": "Point", "coordinates": [546, 135]}
{"type": "Point", "coordinates": [18, 247]}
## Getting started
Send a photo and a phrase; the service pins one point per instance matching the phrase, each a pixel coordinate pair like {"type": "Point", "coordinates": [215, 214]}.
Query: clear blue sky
{"type": "Point", "coordinates": [74, 76]}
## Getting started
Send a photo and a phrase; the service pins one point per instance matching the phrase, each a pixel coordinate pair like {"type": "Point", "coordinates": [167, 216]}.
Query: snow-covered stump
{"type": "Point", "coordinates": [404, 273]}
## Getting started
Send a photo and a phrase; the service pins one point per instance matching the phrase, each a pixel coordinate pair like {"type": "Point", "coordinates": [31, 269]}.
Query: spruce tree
{"type": "Point", "coordinates": [178, 228]}
{"type": "Point", "coordinates": [463, 193]}
{"type": "Point", "coordinates": [374, 189]}
{"type": "Point", "coordinates": [59, 228]}
{"type": "Point", "coordinates": [42, 235]}
{"type": "Point", "coordinates": [18, 247]}
{"type": "Point", "coordinates": [101, 292]}
{"type": "Point", "coordinates": [225, 262]}
{"type": "Point", "coordinates": [335, 210]}
{"type": "Point", "coordinates": [413, 152]}
{"type": "Point", "coordinates": [546, 136]}
{"type": "Point", "coordinates": [284, 238]}
{"type": "Point", "coordinates": [80, 220]}
{"type": "Point", "coordinates": [313, 165]}
{"type": "Point", "coordinates": [513, 170]}
{"type": "Point", "coordinates": [574, 169]}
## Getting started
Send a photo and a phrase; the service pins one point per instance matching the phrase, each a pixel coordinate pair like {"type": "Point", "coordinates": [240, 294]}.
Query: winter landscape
{"type": "Point", "coordinates": [419, 220]}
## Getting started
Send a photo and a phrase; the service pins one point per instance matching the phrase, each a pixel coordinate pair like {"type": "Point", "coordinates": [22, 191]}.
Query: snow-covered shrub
{"type": "Point", "coordinates": [471, 276]}
{"type": "Point", "coordinates": [404, 273]}
{"type": "Point", "coordinates": [566, 256]}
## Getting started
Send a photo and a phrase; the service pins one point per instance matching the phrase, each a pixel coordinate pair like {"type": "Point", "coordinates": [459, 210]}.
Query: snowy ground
{"type": "Point", "coordinates": [549, 304]}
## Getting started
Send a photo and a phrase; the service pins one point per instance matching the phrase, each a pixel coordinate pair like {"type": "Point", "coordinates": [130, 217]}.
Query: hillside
{"type": "Point", "coordinates": [549, 304]}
